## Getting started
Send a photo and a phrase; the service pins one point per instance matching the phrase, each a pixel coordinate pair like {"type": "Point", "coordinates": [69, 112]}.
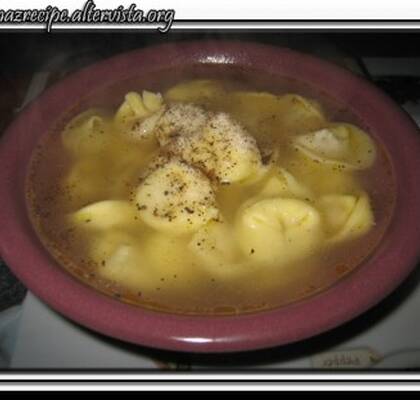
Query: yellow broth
{"type": "Point", "coordinates": [166, 274]}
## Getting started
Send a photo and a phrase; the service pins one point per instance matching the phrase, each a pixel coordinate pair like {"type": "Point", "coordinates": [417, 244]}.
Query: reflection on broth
{"type": "Point", "coordinates": [211, 196]}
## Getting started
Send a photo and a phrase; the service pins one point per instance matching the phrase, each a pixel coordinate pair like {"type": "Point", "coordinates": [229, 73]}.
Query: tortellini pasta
{"type": "Point", "coordinates": [136, 106]}
{"type": "Point", "coordinates": [321, 178]}
{"type": "Point", "coordinates": [176, 198]}
{"type": "Point", "coordinates": [99, 177]}
{"type": "Point", "coordinates": [198, 91]}
{"type": "Point", "coordinates": [180, 120]}
{"type": "Point", "coordinates": [215, 245]}
{"type": "Point", "coordinates": [224, 150]}
{"type": "Point", "coordinates": [152, 101]}
{"type": "Point", "coordinates": [132, 115]}
{"type": "Point", "coordinates": [87, 134]}
{"type": "Point", "coordinates": [301, 114]}
{"type": "Point", "coordinates": [85, 182]}
{"type": "Point", "coordinates": [120, 259]}
{"type": "Point", "coordinates": [106, 214]}
{"type": "Point", "coordinates": [342, 145]}
{"type": "Point", "coordinates": [105, 244]}
{"type": "Point", "coordinates": [261, 112]}
{"type": "Point", "coordinates": [280, 230]}
{"type": "Point", "coordinates": [283, 183]}
{"type": "Point", "coordinates": [346, 217]}
{"type": "Point", "coordinates": [218, 253]}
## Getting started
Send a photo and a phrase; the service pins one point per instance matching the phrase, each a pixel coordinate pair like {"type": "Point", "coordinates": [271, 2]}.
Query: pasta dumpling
{"type": "Point", "coordinates": [94, 179]}
{"type": "Point", "coordinates": [214, 244]}
{"type": "Point", "coordinates": [346, 217]}
{"type": "Point", "coordinates": [342, 145]}
{"type": "Point", "coordinates": [293, 227]}
{"type": "Point", "coordinates": [87, 134]}
{"type": "Point", "coordinates": [85, 181]}
{"type": "Point", "coordinates": [300, 114]}
{"type": "Point", "coordinates": [180, 120]}
{"type": "Point", "coordinates": [199, 91]}
{"type": "Point", "coordinates": [106, 214]}
{"type": "Point", "coordinates": [176, 198]}
{"type": "Point", "coordinates": [218, 252]}
{"type": "Point", "coordinates": [264, 113]}
{"type": "Point", "coordinates": [224, 150]}
{"type": "Point", "coordinates": [138, 114]}
{"type": "Point", "coordinates": [282, 183]}
{"type": "Point", "coordinates": [321, 178]}
{"type": "Point", "coordinates": [120, 259]}
{"type": "Point", "coordinates": [104, 244]}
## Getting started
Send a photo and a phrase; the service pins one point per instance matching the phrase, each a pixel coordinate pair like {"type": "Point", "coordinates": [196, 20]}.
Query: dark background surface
{"type": "Point", "coordinates": [29, 51]}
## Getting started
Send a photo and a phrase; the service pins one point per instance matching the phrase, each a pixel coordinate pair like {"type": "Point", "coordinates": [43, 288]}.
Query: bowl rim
{"type": "Point", "coordinates": [373, 280]}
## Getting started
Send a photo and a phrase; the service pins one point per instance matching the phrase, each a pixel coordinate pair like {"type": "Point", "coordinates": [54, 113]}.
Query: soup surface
{"type": "Point", "coordinates": [210, 196]}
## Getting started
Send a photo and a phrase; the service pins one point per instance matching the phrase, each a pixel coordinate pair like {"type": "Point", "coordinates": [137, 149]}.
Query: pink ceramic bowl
{"type": "Point", "coordinates": [367, 285]}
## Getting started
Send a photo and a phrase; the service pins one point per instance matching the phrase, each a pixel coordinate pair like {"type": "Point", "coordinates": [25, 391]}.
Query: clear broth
{"type": "Point", "coordinates": [179, 290]}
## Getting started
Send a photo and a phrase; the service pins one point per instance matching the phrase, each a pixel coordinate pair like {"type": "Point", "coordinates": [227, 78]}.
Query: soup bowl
{"type": "Point", "coordinates": [376, 277]}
